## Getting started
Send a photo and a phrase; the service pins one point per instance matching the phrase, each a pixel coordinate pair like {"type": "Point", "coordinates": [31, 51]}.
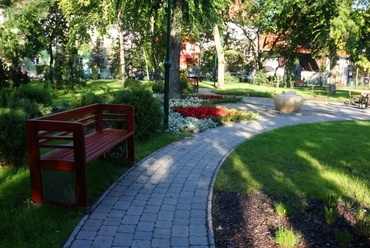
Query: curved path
{"type": "Point", "coordinates": [165, 200]}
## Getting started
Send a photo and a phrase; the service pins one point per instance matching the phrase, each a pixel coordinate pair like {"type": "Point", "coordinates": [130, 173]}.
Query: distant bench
{"type": "Point", "coordinates": [362, 99]}
{"type": "Point", "coordinates": [73, 139]}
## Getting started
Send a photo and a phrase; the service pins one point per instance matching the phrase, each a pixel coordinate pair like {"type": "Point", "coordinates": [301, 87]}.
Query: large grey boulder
{"type": "Point", "coordinates": [288, 102]}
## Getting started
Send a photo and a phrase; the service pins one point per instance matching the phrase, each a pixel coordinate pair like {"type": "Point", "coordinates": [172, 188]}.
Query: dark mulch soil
{"type": "Point", "coordinates": [251, 221]}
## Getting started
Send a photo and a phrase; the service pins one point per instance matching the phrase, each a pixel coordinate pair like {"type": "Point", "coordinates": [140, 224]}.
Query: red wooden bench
{"type": "Point", "coordinates": [362, 100]}
{"type": "Point", "coordinates": [72, 139]}
{"type": "Point", "coordinates": [299, 82]}
{"type": "Point", "coordinates": [195, 82]}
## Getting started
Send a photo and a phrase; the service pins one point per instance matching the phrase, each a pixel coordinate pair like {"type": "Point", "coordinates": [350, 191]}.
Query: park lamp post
{"type": "Point", "coordinates": [167, 66]}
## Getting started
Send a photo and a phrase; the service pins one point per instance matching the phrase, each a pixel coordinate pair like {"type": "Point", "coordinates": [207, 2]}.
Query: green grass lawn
{"type": "Point", "coordinates": [311, 160]}
{"type": "Point", "coordinates": [248, 89]}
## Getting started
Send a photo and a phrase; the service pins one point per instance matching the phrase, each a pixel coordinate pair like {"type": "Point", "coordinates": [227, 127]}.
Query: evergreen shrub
{"type": "Point", "coordinates": [131, 83]}
{"type": "Point", "coordinates": [158, 87]}
{"type": "Point", "coordinates": [86, 99]}
{"type": "Point", "coordinates": [148, 111]}
{"type": "Point", "coordinates": [5, 94]}
{"type": "Point", "coordinates": [12, 137]}
{"type": "Point", "coordinates": [31, 108]}
{"type": "Point", "coordinates": [186, 87]}
{"type": "Point", "coordinates": [33, 94]}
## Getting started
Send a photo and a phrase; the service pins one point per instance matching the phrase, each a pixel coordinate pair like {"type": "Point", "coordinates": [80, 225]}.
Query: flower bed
{"type": "Point", "coordinates": [204, 112]}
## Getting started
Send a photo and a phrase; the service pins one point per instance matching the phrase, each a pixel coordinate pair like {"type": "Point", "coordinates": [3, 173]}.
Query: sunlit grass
{"type": "Point", "coordinates": [99, 87]}
{"type": "Point", "coordinates": [248, 89]}
{"type": "Point", "coordinates": [312, 160]}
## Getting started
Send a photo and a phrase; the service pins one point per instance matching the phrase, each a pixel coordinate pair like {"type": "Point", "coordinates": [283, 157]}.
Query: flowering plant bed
{"type": "Point", "coordinates": [203, 112]}
{"type": "Point", "coordinates": [218, 114]}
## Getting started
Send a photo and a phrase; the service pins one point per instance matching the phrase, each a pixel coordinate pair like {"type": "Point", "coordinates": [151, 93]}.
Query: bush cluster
{"type": "Point", "coordinates": [230, 79]}
{"type": "Point", "coordinates": [158, 87]}
{"type": "Point", "coordinates": [16, 107]}
{"type": "Point", "coordinates": [12, 137]}
{"type": "Point", "coordinates": [186, 87]}
{"type": "Point", "coordinates": [86, 99]}
{"type": "Point", "coordinates": [148, 111]}
{"type": "Point", "coordinates": [131, 83]}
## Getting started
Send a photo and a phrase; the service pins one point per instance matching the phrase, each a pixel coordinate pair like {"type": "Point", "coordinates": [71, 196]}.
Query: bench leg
{"type": "Point", "coordinates": [131, 149]}
{"type": "Point", "coordinates": [36, 184]}
{"type": "Point", "coordinates": [81, 186]}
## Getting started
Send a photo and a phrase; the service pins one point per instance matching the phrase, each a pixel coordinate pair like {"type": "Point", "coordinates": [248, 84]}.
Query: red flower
{"type": "Point", "coordinates": [202, 112]}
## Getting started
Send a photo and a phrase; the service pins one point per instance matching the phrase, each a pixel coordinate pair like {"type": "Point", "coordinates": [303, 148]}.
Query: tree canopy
{"type": "Point", "coordinates": [322, 28]}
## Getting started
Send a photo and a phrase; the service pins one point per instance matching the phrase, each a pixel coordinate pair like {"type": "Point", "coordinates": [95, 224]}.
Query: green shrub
{"type": "Point", "coordinates": [32, 109]}
{"type": "Point", "coordinates": [12, 137]}
{"type": "Point", "coordinates": [186, 87]}
{"type": "Point", "coordinates": [95, 72]}
{"type": "Point", "coordinates": [34, 94]}
{"type": "Point", "coordinates": [5, 94]}
{"type": "Point", "coordinates": [158, 87]}
{"type": "Point", "coordinates": [148, 111]}
{"type": "Point", "coordinates": [260, 78]}
{"type": "Point", "coordinates": [132, 83]}
{"type": "Point", "coordinates": [230, 79]}
{"type": "Point", "coordinates": [86, 99]}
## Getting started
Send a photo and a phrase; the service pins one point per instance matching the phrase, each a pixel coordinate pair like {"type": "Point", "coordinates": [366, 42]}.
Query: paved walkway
{"type": "Point", "coordinates": [165, 200]}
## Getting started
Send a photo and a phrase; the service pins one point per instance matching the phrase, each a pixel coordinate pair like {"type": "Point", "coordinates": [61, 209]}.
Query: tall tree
{"type": "Point", "coordinates": [196, 16]}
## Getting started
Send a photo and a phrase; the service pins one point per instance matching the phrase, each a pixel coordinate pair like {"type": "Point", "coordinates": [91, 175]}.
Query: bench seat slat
{"type": "Point", "coordinates": [96, 145]}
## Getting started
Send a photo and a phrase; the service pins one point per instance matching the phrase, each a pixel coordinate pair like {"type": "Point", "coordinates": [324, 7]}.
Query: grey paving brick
{"type": "Point", "coordinates": [198, 230]}
{"type": "Point", "coordinates": [123, 239]}
{"type": "Point", "coordinates": [102, 242]}
{"type": "Point", "coordinates": [122, 205]}
{"type": "Point", "coordinates": [162, 233]}
{"type": "Point", "coordinates": [92, 225]}
{"type": "Point", "coordinates": [116, 214]}
{"type": "Point", "coordinates": [198, 213]}
{"type": "Point", "coordinates": [131, 219]}
{"type": "Point", "coordinates": [81, 244]}
{"type": "Point", "coordinates": [135, 210]}
{"type": "Point", "coordinates": [181, 221]}
{"type": "Point", "coordinates": [149, 217]}
{"type": "Point", "coordinates": [141, 235]}
{"type": "Point", "coordinates": [198, 241]}
{"type": "Point", "coordinates": [152, 209]}
{"type": "Point", "coordinates": [180, 231]}
{"type": "Point", "coordinates": [163, 224]}
{"type": "Point", "coordinates": [160, 243]}
{"type": "Point", "coordinates": [180, 213]}
{"type": "Point", "coordinates": [141, 244]}
{"type": "Point", "coordinates": [165, 215]}
{"type": "Point", "coordinates": [180, 242]}
{"type": "Point", "coordinates": [126, 228]}
{"type": "Point", "coordinates": [86, 235]}
{"type": "Point", "coordinates": [145, 226]}
{"type": "Point", "coordinates": [108, 231]}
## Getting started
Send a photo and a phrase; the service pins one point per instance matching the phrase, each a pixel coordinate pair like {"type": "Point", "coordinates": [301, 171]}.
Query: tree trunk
{"type": "Point", "coordinates": [175, 49]}
{"type": "Point", "coordinates": [220, 58]}
{"type": "Point", "coordinates": [122, 55]}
